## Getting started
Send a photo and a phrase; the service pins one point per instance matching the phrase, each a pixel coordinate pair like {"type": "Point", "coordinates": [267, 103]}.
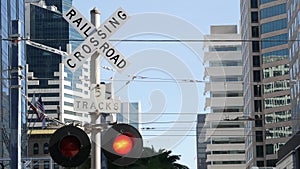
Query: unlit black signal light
{"type": "Point", "coordinates": [69, 146]}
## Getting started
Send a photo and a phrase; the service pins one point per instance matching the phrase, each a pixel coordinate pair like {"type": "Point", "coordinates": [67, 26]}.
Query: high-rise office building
{"type": "Point", "coordinates": [266, 79]}
{"type": "Point", "coordinates": [223, 68]}
{"type": "Point", "coordinates": [130, 114]}
{"type": "Point", "coordinates": [47, 76]}
{"type": "Point", "coordinates": [13, 84]}
{"type": "Point", "coordinates": [293, 12]}
{"type": "Point", "coordinates": [201, 142]}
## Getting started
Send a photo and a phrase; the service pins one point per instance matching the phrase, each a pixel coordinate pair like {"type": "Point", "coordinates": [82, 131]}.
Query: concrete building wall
{"type": "Point", "coordinates": [223, 68]}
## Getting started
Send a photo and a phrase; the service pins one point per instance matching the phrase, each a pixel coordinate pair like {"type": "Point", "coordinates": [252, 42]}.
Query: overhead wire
{"type": "Point", "coordinates": [160, 40]}
{"type": "Point", "coordinates": [212, 135]}
{"type": "Point", "coordinates": [144, 79]}
{"type": "Point", "coordinates": [165, 79]}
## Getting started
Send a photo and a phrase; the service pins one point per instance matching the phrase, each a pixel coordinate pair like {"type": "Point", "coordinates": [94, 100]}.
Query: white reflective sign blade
{"type": "Point", "coordinates": [97, 41]}
{"type": "Point", "coordinates": [79, 22]}
{"type": "Point", "coordinates": [114, 57]}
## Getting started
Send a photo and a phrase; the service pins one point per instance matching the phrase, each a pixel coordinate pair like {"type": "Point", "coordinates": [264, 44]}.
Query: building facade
{"type": "Point", "coordinates": [266, 79]}
{"type": "Point", "coordinates": [38, 152]}
{"type": "Point", "coordinates": [47, 76]}
{"type": "Point", "coordinates": [289, 154]}
{"type": "Point", "coordinates": [223, 68]}
{"type": "Point", "coordinates": [13, 84]}
{"type": "Point", "coordinates": [130, 114]}
{"type": "Point", "coordinates": [201, 142]}
{"type": "Point", "coordinates": [293, 26]}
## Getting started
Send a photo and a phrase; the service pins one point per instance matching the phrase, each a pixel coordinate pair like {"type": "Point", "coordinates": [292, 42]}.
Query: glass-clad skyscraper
{"type": "Point", "coordinates": [47, 75]}
{"type": "Point", "coordinates": [266, 79]}
{"type": "Point", "coordinates": [294, 36]}
{"type": "Point", "coordinates": [13, 84]}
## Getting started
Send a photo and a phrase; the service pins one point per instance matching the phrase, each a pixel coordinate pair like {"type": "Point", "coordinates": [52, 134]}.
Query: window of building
{"type": "Point", "coordinates": [35, 148]}
{"type": "Point", "coordinates": [68, 104]}
{"type": "Point", "coordinates": [228, 162]}
{"type": "Point", "coordinates": [258, 121]}
{"type": "Point", "coordinates": [277, 101]}
{"type": "Point", "coordinates": [259, 151]}
{"type": "Point", "coordinates": [46, 94]}
{"type": "Point", "coordinates": [259, 136]}
{"type": "Point", "coordinates": [46, 148]}
{"type": "Point", "coordinates": [260, 163]}
{"type": "Point", "coordinates": [254, 4]}
{"type": "Point", "coordinates": [275, 55]}
{"type": "Point", "coordinates": [40, 86]}
{"type": "Point", "coordinates": [255, 46]}
{"type": "Point", "coordinates": [255, 31]}
{"type": "Point", "coordinates": [56, 166]}
{"type": "Point", "coordinates": [276, 86]}
{"type": "Point", "coordinates": [278, 132]}
{"type": "Point", "coordinates": [35, 165]}
{"type": "Point", "coordinates": [277, 117]}
{"type": "Point", "coordinates": [256, 61]}
{"type": "Point", "coordinates": [274, 26]}
{"type": "Point", "coordinates": [257, 90]}
{"type": "Point", "coordinates": [51, 102]}
{"type": "Point", "coordinates": [279, 70]}
{"type": "Point", "coordinates": [228, 140]}
{"type": "Point", "coordinates": [274, 41]}
{"type": "Point", "coordinates": [266, 1]}
{"type": "Point", "coordinates": [224, 49]}
{"type": "Point", "coordinates": [254, 17]}
{"type": "Point", "coordinates": [256, 76]}
{"type": "Point", "coordinates": [225, 63]}
{"type": "Point", "coordinates": [46, 165]}
{"type": "Point", "coordinates": [257, 105]}
{"type": "Point", "coordinates": [273, 11]}
{"type": "Point", "coordinates": [271, 163]}
{"type": "Point", "coordinates": [269, 149]}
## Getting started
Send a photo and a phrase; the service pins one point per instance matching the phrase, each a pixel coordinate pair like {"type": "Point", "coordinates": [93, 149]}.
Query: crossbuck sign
{"type": "Point", "coordinates": [96, 39]}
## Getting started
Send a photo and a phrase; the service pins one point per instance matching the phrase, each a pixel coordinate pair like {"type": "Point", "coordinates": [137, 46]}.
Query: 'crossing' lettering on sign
{"type": "Point", "coordinates": [96, 39]}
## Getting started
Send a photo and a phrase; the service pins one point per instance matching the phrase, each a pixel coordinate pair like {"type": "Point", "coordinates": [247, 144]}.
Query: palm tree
{"type": "Point", "coordinates": [154, 160]}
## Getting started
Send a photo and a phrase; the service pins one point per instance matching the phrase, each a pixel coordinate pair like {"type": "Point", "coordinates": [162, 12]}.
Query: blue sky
{"type": "Point", "coordinates": [165, 66]}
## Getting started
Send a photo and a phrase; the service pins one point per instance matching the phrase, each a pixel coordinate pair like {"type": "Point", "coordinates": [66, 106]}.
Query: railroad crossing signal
{"type": "Point", "coordinates": [96, 39]}
{"type": "Point", "coordinates": [69, 146]}
{"type": "Point", "coordinates": [122, 144]}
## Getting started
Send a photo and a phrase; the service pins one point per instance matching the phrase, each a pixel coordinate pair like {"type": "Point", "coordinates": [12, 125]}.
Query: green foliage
{"type": "Point", "coordinates": [154, 160]}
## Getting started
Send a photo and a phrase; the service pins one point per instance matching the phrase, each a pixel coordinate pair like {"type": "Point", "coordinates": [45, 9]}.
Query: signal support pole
{"type": "Point", "coordinates": [95, 79]}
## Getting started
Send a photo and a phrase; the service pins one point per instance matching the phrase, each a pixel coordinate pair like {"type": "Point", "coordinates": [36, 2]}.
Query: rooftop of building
{"type": "Point", "coordinates": [223, 29]}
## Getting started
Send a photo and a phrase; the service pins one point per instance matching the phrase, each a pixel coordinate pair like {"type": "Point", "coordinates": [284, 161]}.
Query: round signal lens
{"type": "Point", "coordinates": [122, 144]}
{"type": "Point", "coordinates": [69, 146]}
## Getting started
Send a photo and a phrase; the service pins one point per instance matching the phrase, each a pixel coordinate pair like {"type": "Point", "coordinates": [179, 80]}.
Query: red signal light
{"type": "Point", "coordinates": [69, 146]}
{"type": "Point", "coordinates": [122, 144]}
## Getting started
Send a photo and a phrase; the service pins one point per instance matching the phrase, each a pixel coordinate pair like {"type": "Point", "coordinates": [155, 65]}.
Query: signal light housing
{"type": "Point", "coordinates": [69, 146]}
{"type": "Point", "coordinates": [122, 144]}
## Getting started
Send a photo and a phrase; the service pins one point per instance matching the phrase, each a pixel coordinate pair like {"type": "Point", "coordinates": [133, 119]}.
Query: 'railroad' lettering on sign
{"type": "Point", "coordinates": [96, 39]}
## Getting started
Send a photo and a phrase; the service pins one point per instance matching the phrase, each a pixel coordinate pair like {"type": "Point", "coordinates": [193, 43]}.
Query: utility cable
{"type": "Point", "coordinates": [159, 40]}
